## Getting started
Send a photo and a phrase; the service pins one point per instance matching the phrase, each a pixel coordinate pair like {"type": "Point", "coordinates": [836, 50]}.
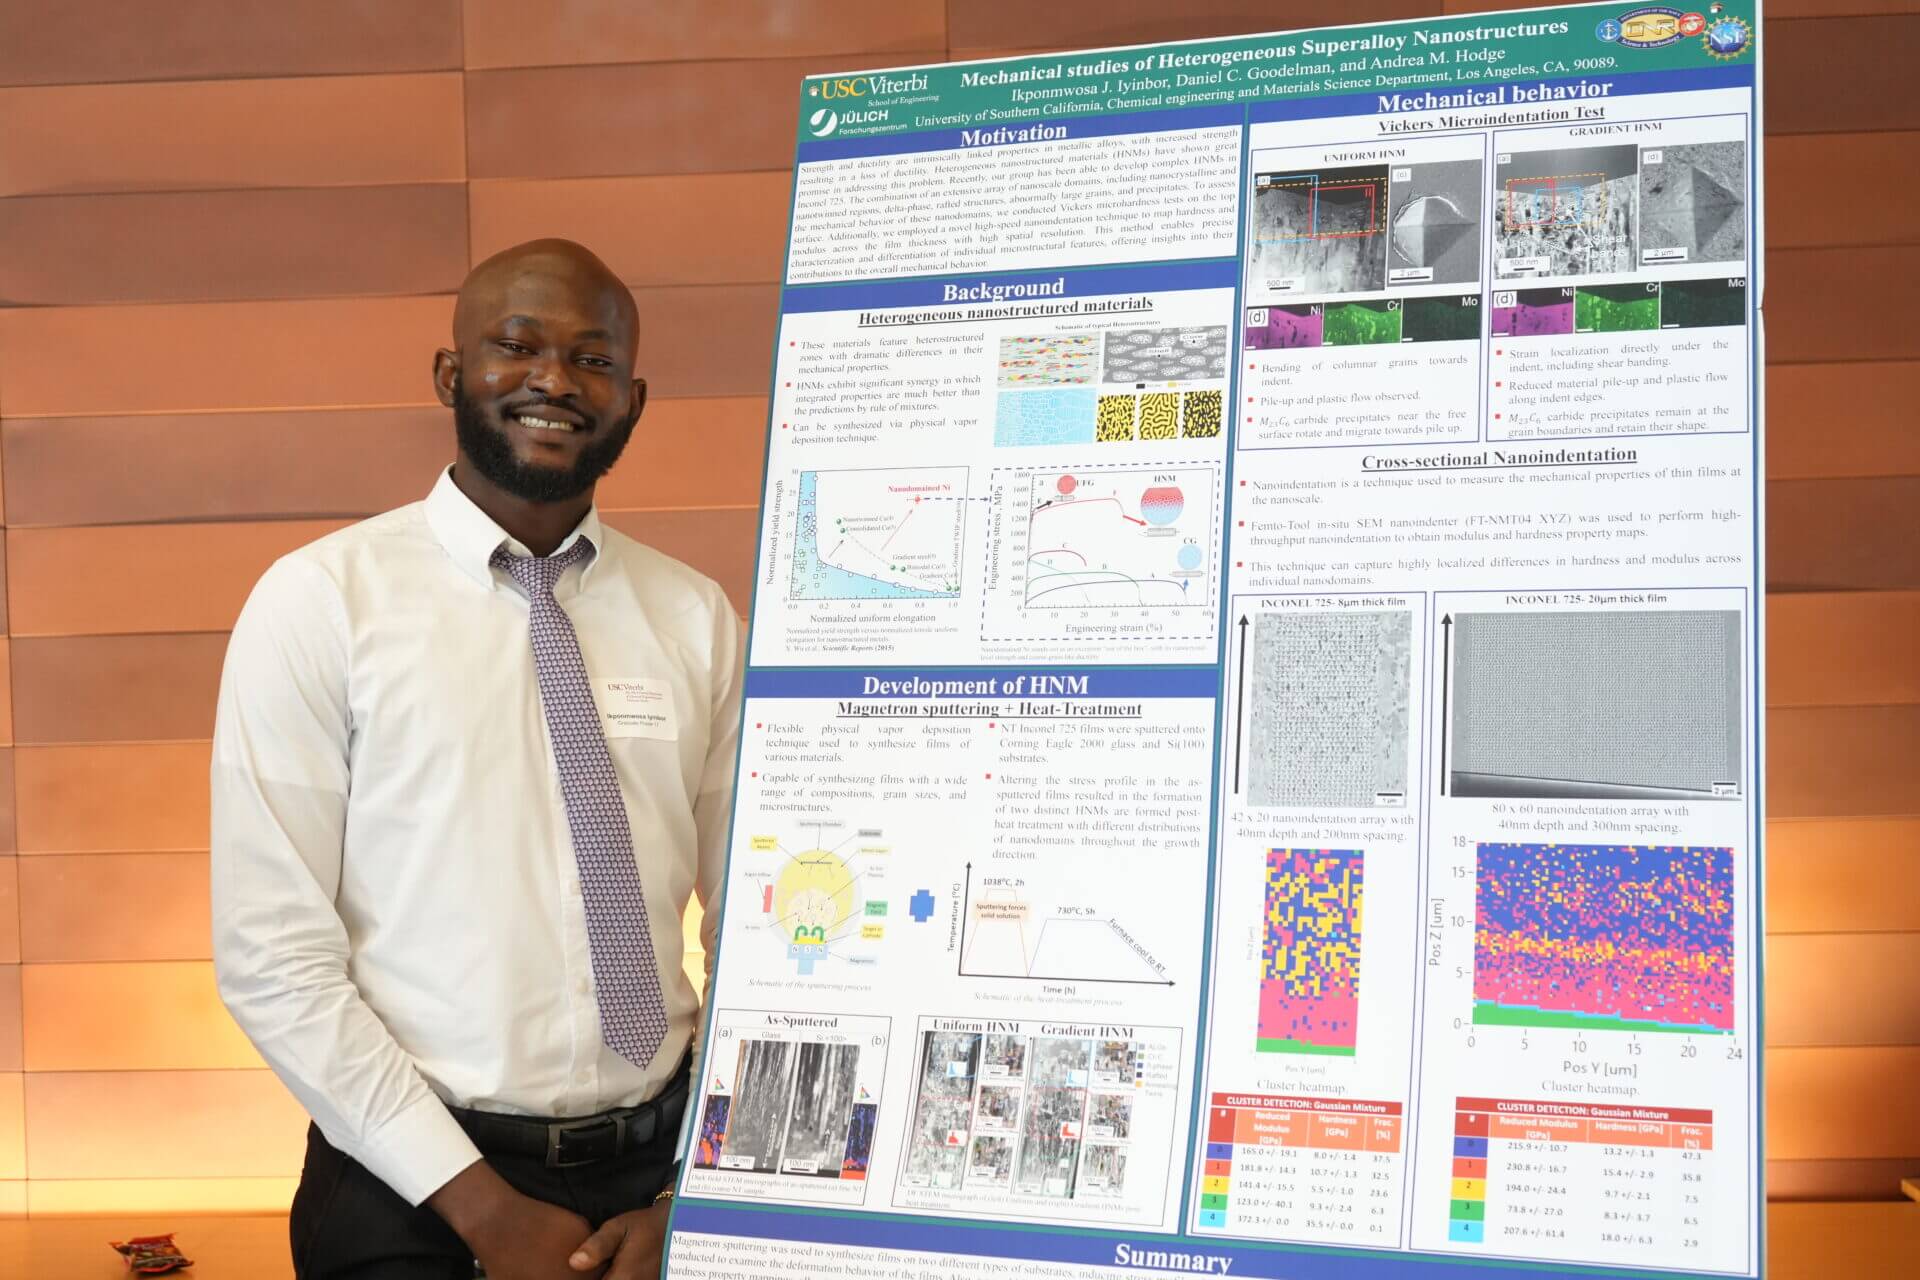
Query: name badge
{"type": "Point", "coordinates": [637, 707]}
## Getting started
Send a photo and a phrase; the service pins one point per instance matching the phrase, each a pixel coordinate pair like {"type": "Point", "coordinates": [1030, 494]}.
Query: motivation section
{"type": "Point", "coordinates": [1023, 468]}
{"type": "Point", "coordinates": [1133, 187]}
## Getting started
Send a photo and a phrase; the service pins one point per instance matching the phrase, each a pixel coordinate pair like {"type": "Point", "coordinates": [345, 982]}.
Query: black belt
{"type": "Point", "coordinates": [563, 1144]}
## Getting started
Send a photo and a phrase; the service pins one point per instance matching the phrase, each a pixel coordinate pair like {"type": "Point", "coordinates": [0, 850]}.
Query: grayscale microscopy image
{"type": "Point", "coordinates": [1166, 355]}
{"type": "Point", "coordinates": [992, 1163]}
{"type": "Point", "coordinates": [762, 1087]}
{"type": "Point", "coordinates": [1693, 203]}
{"type": "Point", "coordinates": [998, 1108]}
{"type": "Point", "coordinates": [1105, 1169]}
{"type": "Point", "coordinates": [1004, 1056]}
{"type": "Point", "coordinates": [1110, 1115]}
{"type": "Point", "coordinates": [1328, 708]}
{"type": "Point", "coordinates": [1050, 1141]}
{"type": "Point", "coordinates": [943, 1114]}
{"type": "Point", "coordinates": [1433, 223]}
{"type": "Point", "coordinates": [1568, 212]}
{"type": "Point", "coordinates": [1596, 704]}
{"type": "Point", "coordinates": [1317, 232]}
{"type": "Point", "coordinates": [823, 1087]}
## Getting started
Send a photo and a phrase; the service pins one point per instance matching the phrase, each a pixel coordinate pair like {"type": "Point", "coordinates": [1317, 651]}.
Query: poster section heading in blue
{"type": "Point", "coordinates": [1251, 755]}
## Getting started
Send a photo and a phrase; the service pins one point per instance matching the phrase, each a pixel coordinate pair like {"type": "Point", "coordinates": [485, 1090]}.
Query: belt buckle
{"type": "Point", "coordinates": [557, 1131]}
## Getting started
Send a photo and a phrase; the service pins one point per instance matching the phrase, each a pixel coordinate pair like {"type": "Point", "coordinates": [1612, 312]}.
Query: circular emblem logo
{"type": "Point", "coordinates": [823, 122]}
{"type": "Point", "coordinates": [1727, 38]}
{"type": "Point", "coordinates": [1608, 30]}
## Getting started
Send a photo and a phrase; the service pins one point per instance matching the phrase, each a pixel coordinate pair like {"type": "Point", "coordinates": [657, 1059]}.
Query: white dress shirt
{"type": "Point", "coordinates": [397, 916]}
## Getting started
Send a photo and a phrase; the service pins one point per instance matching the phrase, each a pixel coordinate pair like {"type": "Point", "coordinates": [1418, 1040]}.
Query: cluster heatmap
{"type": "Point", "coordinates": [1624, 937]}
{"type": "Point", "coordinates": [1310, 952]}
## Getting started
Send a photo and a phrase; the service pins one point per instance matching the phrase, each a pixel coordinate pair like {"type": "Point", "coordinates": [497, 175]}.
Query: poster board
{"type": "Point", "coordinates": [1251, 758]}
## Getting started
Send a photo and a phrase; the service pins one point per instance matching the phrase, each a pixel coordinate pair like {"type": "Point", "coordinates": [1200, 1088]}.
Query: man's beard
{"type": "Point", "coordinates": [491, 453]}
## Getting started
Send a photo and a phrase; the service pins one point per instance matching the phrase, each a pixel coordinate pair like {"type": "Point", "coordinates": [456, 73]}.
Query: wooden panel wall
{"type": "Point", "coordinates": [228, 237]}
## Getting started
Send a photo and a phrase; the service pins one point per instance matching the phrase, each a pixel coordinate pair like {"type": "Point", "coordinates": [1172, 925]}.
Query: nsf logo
{"type": "Point", "coordinates": [1727, 38]}
{"type": "Point", "coordinates": [823, 122]}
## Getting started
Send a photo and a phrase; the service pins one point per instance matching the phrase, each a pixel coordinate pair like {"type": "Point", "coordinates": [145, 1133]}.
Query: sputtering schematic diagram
{"type": "Point", "coordinates": [821, 895]}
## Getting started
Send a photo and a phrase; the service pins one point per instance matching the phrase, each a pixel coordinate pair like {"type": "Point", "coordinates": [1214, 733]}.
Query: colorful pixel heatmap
{"type": "Point", "coordinates": [1310, 952]}
{"type": "Point", "coordinates": [1612, 937]}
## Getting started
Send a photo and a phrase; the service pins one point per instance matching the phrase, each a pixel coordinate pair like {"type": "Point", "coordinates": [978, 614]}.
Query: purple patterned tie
{"type": "Point", "coordinates": [633, 1016]}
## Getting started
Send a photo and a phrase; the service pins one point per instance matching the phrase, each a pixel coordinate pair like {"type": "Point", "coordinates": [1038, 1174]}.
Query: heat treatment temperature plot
{"type": "Point", "coordinates": [882, 533]}
{"type": "Point", "coordinates": [1007, 931]}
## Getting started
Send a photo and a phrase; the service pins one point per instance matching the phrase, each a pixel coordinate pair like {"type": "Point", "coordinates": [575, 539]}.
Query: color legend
{"type": "Point", "coordinates": [1579, 1179]}
{"type": "Point", "coordinates": [1281, 1168]}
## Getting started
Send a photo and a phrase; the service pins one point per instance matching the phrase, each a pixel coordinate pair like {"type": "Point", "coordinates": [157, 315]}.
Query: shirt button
{"type": "Point", "coordinates": [582, 986]}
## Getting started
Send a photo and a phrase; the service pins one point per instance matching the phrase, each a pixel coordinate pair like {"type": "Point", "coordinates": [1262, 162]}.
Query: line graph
{"type": "Point", "coordinates": [1005, 934]}
{"type": "Point", "coordinates": [1118, 539]}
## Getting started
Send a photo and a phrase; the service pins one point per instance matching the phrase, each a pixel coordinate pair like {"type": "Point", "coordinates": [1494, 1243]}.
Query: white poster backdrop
{"type": "Point", "coordinates": [1251, 761]}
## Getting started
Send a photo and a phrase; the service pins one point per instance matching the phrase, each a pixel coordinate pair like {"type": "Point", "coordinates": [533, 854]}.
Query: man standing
{"type": "Point", "coordinates": [471, 758]}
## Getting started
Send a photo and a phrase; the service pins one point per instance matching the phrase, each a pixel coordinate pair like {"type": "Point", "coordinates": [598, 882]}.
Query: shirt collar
{"type": "Point", "coordinates": [470, 534]}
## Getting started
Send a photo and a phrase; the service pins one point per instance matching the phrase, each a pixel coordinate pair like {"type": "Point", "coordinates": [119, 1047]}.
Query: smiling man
{"type": "Point", "coordinates": [471, 758]}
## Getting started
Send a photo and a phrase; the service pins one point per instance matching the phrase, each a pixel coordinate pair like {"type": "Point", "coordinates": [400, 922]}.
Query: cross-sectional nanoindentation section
{"type": "Point", "coordinates": [1320, 231]}
{"type": "Point", "coordinates": [1608, 937]}
{"type": "Point", "coordinates": [1596, 704]}
{"type": "Point", "coordinates": [1566, 212]}
{"type": "Point", "coordinates": [1328, 721]}
{"type": "Point", "coordinates": [1693, 203]}
{"type": "Point", "coordinates": [1310, 952]}
{"type": "Point", "coordinates": [1166, 355]}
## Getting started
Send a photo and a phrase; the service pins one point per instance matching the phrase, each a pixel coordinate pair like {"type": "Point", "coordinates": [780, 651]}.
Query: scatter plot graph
{"type": "Point", "coordinates": [1122, 539]}
{"type": "Point", "coordinates": [1605, 937]}
{"type": "Point", "coordinates": [887, 533]}
{"type": "Point", "coordinates": [1310, 952]}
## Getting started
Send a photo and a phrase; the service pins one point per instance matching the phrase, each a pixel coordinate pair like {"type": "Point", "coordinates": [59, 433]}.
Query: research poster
{"type": "Point", "coordinates": [1251, 758]}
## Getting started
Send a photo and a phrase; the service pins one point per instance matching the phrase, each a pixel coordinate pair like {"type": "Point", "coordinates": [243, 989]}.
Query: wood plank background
{"type": "Point", "coordinates": [229, 233]}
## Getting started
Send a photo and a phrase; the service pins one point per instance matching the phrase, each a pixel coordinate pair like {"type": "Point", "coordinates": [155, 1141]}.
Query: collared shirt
{"type": "Point", "coordinates": [397, 912]}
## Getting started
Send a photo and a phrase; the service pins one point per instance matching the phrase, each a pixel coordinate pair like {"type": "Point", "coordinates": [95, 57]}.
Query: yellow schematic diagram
{"type": "Point", "coordinates": [822, 896]}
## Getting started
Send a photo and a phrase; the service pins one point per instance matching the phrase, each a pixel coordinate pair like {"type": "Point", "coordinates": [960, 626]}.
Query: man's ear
{"type": "Point", "coordinates": [639, 400]}
{"type": "Point", "coordinates": [446, 372]}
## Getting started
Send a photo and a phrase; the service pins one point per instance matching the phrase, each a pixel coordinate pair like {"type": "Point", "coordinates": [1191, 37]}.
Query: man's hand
{"type": "Point", "coordinates": [632, 1242]}
{"type": "Point", "coordinates": [515, 1237]}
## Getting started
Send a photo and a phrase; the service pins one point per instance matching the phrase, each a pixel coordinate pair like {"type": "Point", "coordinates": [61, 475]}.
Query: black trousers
{"type": "Point", "coordinates": [347, 1224]}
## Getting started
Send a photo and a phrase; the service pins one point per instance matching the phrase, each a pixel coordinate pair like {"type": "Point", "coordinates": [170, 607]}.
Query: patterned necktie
{"type": "Point", "coordinates": [633, 1016]}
